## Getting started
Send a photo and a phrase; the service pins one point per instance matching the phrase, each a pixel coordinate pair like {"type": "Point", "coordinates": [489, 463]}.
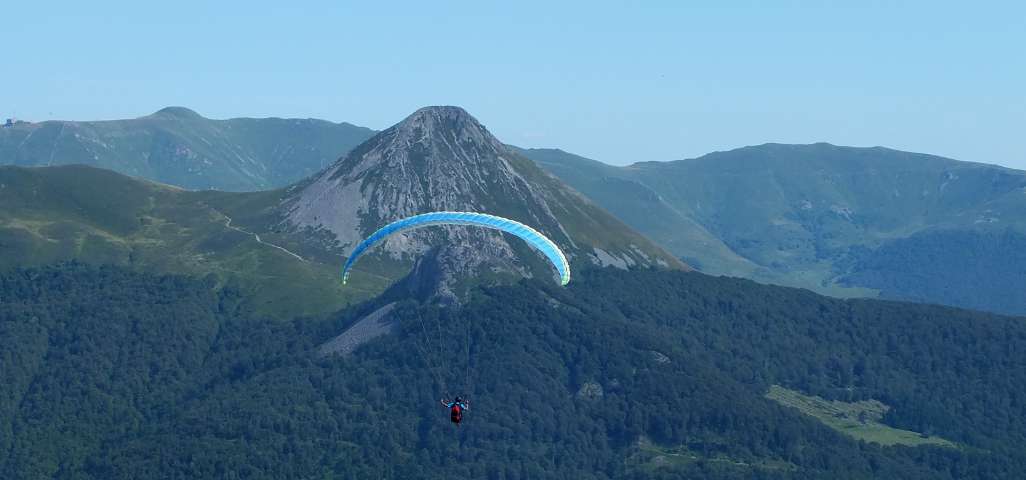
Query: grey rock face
{"type": "Point", "coordinates": [590, 390]}
{"type": "Point", "coordinates": [375, 324]}
{"type": "Point", "coordinates": [439, 158]}
{"type": "Point", "coordinates": [659, 357]}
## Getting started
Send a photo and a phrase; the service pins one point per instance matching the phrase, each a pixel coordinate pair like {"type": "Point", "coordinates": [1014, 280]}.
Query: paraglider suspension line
{"type": "Point", "coordinates": [427, 357]}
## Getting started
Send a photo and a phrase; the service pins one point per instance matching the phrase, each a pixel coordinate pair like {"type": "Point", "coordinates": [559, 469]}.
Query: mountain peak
{"type": "Point", "coordinates": [447, 111]}
{"type": "Point", "coordinates": [176, 112]}
{"type": "Point", "coordinates": [450, 124]}
{"type": "Point", "coordinates": [437, 158]}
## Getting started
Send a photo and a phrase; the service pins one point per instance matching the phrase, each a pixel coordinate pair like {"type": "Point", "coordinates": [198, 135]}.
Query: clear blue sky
{"type": "Point", "coordinates": [607, 80]}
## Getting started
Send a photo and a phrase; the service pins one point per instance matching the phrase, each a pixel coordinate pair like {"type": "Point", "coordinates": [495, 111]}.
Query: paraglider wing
{"type": "Point", "coordinates": [531, 236]}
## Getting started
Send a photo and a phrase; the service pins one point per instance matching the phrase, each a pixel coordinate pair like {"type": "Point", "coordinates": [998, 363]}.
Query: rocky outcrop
{"type": "Point", "coordinates": [373, 325]}
{"type": "Point", "coordinates": [591, 391]}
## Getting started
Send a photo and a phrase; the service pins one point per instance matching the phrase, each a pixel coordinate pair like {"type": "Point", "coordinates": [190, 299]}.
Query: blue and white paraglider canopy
{"type": "Point", "coordinates": [533, 238]}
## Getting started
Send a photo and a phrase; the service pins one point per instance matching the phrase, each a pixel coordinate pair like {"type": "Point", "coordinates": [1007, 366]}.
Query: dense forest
{"type": "Point", "coordinates": [110, 373]}
{"type": "Point", "coordinates": [922, 268]}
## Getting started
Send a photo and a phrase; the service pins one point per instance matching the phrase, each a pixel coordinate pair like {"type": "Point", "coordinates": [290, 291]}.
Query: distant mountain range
{"type": "Point", "coordinates": [285, 247]}
{"type": "Point", "coordinates": [839, 220]}
{"type": "Point", "coordinates": [178, 146]}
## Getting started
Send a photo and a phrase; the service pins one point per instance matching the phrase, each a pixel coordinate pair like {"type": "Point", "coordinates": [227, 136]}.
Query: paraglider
{"type": "Point", "coordinates": [533, 238]}
{"type": "Point", "coordinates": [456, 409]}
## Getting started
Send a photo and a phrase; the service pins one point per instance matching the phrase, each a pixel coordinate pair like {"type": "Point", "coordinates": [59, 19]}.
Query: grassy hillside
{"type": "Point", "coordinates": [101, 217]}
{"type": "Point", "coordinates": [859, 420]}
{"type": "Point", "coordinates": [643, 208]}
{"type": "Point", "coordinates": [116, 374]}
{"type": "Point", "coordinates": [97, 216]}
{"type": "Point", "coordinates": [179, 147]}
{"type": "Point", "coordinates": [822, 217]}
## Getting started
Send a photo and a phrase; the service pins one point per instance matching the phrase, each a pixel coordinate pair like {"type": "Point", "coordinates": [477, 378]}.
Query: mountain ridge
{"type": "Point", "coordinates": [805, 215]}
{"type": "Point", "coordinates": [838, 241]}
{"type": "Point", "coordinates": [178, 146]}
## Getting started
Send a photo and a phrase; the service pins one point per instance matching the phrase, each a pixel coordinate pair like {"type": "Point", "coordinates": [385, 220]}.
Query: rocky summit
{"type": "Point", "coordinates": [442, 158]}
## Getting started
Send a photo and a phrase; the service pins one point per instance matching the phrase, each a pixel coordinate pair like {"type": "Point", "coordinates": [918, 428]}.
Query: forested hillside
{"type": "Point", "coordinates": [978, 269]}
{"type": "Point", "coordinates": [116, 374]}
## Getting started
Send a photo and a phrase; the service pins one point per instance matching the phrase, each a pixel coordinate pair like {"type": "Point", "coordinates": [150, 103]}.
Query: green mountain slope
{"type": "Point", "coordinates": [114, 374]}
{"type": "Point", "coordinates": [179, 147]}
{"type": "Point", "coordinates": [823, 217]}
{"type": "Point", "coordinates": [641, 207]}
{"type": "Point", "coordinates": [101, 217]}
